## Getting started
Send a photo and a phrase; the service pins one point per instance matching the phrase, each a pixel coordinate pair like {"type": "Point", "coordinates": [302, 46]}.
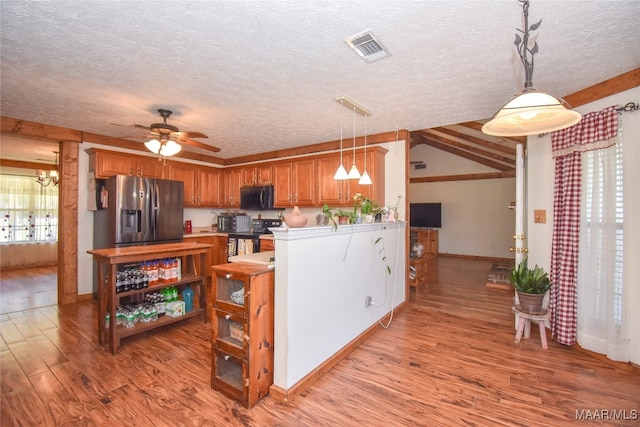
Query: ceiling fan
{"type": "Point", "coordinates": [167, 138]}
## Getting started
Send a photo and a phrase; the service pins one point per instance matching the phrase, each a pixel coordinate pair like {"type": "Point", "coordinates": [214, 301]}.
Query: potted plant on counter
{"type": "Point", "coordinates": [531, 285]}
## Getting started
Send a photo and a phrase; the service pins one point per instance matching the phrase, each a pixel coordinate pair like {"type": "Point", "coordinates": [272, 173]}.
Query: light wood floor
{"type": "Point", "coordinates": [449, 359]}
{"type": "Point", "coordinates": [24, 289]}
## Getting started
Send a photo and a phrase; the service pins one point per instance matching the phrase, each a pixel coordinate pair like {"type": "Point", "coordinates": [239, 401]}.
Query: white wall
{"type": "Point", "coordinates": [476, 219]}
{"type": "Point", "coordinates": [322, 279]}
{"type": "Point", "coordinates": [540, 177]}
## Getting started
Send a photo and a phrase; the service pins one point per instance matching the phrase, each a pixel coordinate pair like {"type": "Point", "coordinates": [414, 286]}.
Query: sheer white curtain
{"type": "Point", "coordinates": [28, 222]}
{"type": "Point", "coordinates": [602, 317]}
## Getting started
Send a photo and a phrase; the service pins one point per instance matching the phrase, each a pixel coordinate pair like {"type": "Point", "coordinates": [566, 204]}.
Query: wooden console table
{"type": "Point", "coordinates": [108, 261]}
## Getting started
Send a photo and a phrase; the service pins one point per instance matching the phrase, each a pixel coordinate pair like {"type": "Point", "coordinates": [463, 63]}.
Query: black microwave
{"type": "Point", "coordinates": [256, 197]}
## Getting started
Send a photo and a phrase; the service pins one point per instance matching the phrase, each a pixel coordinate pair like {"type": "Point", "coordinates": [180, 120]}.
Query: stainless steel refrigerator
{"type": "Point", "coordinates": [138, 211]}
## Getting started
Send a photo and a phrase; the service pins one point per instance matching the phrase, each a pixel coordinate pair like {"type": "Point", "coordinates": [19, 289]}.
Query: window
{"type": "Point", "coordinates": [29, 210]}
{"type": "Point", "coordinates": [603, 214]}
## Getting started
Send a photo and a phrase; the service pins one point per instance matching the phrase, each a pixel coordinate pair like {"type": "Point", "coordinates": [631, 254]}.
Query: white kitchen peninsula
{"type": "Point", "coordinates": [322, 279]}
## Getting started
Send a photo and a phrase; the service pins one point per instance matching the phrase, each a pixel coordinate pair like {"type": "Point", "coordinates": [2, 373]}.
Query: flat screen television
{"type": "Point", "coordinates": [425, 215]}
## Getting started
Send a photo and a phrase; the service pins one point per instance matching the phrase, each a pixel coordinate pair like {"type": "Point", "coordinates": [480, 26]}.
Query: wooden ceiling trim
{"type": "Point", "coordinates": [511, 139]}
{"type": "Point", "coordinates": [465, 154]}
{"type": "Point", "coordinates": [466, 177]}
{"type": "Point", "coordinates": [624, 81]}
{"type": "Point", "coordinates": [429, 133]}
{"type": "Point", "coordinates": [492, 145]}
{"type": "Point", "coordinates": [8, 163]}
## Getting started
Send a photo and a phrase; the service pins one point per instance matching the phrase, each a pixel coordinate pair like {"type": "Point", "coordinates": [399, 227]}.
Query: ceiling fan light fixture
{"type": "Point", "coordinates": [170, 148]}
{"type": "Point", "coordinates": [153, 145]}
{"type": "Point", "coordinates": [531, 112]}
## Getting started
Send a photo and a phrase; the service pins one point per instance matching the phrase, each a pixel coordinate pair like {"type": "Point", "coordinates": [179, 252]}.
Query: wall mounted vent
{"type": "Point", "coordinates": [368, 46]}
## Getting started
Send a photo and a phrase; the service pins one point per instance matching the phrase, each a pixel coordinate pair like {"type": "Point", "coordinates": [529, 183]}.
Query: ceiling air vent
{"type": "Point", "coordinates": [368, 46]}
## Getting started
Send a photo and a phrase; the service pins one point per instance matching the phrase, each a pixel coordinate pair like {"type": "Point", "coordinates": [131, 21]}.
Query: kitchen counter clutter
{"type": "Point", "coordinates": [112, 296]}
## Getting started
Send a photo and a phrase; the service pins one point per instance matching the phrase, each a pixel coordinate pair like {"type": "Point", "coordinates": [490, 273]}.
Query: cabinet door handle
{"type": "Point", "coordinates": [228, 276]}
{"type": "Point", "coordinates": [227, 316]}
{"type": "Point", "coordinates": [193, 199]}
{"type": "Point", "coordinates": [296, 197]}
{"type": "Point", "coordinates": [227, 357]}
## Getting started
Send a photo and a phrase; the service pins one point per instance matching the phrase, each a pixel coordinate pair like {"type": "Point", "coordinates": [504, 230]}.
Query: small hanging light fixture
{"type": "Point", "coordinates": [341, 173]}
{"type": "Point", "coordinates": [354, 173]}
{"type": "Point", "coordinates": [531, 112]}
{"type": "Point", "coordinates": [52, 178]}
{"type": "Point", "coordinates": [365, 179]}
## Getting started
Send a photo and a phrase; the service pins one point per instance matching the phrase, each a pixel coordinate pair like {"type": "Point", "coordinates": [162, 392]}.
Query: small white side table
{"type": "Point", "coordinates": [524, 324]}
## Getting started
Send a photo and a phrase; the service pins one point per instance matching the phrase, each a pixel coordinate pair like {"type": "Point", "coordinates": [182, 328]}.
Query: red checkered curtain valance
{"type": "Point", "coordinates": [595, 131]}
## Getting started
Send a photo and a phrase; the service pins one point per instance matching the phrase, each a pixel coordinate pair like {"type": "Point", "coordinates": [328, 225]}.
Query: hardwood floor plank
{"type": "Point", "coordinates": [47, 351]}
{"type": "Point", "coordinates": [28, 409]}
{"type": "Point", "coordinates": [13, 377]}
{"type": "Point", "coordinates": [63, 407]}
{"type": "Point", "coordinates": [26, 356]}
{"type": "Point", "coordinates": [9, 332]}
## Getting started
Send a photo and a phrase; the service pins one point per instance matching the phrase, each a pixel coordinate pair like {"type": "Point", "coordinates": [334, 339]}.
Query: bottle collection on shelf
{"type": "Point", "coordinates": [155, 305]}
{"type": "Point", "coordinates": [148, 273]}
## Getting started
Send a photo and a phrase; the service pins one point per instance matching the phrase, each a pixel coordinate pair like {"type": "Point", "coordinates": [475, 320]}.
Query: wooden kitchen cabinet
{"type": "Point", "coordinates": [106, 163]}
{"type": "Point", "coordinates": [230, 180]}
{"type": "Point", "coordinates": [294, 183]}
{"type": "Point", "coordinates": [267, 245]}
{"type": "Point", "coordinates": [428, 237]}
{"type": "Point", "coordinates": [256, 175]}
{"type": "Point", "coordinates": [217, 254]}
{"type": "Point", "coordinates": [242, 331]}
{"type": "Point", "coordinates": [341, 192]}
{"type": "Point", "coordinates": [201, 184]}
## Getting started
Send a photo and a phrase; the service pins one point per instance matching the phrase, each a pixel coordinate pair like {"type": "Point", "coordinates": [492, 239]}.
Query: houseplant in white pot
{"type": "Point", "coordinates": [531, 285]}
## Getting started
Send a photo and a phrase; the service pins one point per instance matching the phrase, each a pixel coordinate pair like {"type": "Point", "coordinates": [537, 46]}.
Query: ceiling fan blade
{"type": "Point", "coordinates": [137, 125]}
{"type": "Point", "coordinates": [197, 144]}
{"type": "Point", "coordinates": [190, 135]}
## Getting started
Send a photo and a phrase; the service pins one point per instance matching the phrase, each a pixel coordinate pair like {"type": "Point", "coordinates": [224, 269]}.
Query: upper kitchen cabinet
{"type": "Point", "coordinates": [295, 183]}
{"type": "Point", "coordinates": [256, 174]}
{"type": "Point", "coordinates": [201, 184]}
{"type": "Point", "coordinates": [230, 180]}
{"type": "Point", "coordinates": [109, 163]}
{"type": "Point", "coordinates": [341, 192]}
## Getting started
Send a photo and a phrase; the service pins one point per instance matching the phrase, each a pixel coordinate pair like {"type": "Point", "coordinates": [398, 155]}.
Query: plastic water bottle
{"type": "Point", "coordinates": [187, 297]}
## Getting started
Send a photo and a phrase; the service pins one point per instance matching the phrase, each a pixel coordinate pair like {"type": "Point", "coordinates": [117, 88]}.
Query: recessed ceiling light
{"type": "Point", "coordinates": [368, 46]}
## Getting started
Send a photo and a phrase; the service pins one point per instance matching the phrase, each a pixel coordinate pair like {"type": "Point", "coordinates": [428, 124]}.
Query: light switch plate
{"type": "Point", "coordinates": [540, 216]}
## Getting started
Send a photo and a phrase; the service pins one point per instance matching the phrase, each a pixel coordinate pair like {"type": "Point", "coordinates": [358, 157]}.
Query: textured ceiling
{"type": "Point", "coordinates": [257, 76]}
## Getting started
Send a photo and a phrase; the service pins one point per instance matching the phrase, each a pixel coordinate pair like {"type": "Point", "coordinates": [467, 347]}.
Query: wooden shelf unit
{"type": "Point", "coordinates": [242, 331]}
{"type": "Point", "coordinates": [110, 259]}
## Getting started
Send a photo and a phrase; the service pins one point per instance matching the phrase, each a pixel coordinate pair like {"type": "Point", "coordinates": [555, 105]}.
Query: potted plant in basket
{"type": "Point", "coordinates": [531, 284]}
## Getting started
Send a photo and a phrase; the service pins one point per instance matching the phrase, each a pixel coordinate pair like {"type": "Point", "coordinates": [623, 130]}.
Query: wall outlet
{"type": "Point", "coordinates": [367, 301]}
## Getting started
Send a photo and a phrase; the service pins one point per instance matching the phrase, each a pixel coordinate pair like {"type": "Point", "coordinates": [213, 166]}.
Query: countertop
{"type": "Point", "coordinates": [255, 258]}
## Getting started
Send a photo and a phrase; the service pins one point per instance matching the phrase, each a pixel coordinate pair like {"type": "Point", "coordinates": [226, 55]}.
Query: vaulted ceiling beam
{"type": "Point", "coordinates": [428, 133]}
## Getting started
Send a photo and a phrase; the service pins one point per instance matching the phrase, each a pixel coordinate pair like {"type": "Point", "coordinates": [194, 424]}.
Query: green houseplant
{"type": "Point", "coordinates": [531, 284]}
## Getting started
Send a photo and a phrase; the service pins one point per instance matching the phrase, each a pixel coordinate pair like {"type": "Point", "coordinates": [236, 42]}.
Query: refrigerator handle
{"type": "Point", "coordinates": [154, 208]}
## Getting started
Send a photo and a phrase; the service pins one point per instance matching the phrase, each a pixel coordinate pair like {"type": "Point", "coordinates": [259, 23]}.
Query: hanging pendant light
{"type": "Point", "coordinates": [52, 178]}
{"type": "Point", "coordinates": [341, 173]}
{"type": "Point", "coordinates": [365, 179]}
{"type": "Point", "coordinates": [531, 112]}
{"type": "Point", "coordinates": [354, 173]}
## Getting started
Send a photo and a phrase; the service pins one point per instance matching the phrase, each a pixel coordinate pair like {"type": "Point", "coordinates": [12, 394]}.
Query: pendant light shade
{"type": "Point", "coordinates": [531, 112]}
{"type": "Point", "coordinates": [341, 173]}
{"type": "Point", "coordinates": [365, 179]}
{"type": "Point", "coordinates": [354, 173]}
